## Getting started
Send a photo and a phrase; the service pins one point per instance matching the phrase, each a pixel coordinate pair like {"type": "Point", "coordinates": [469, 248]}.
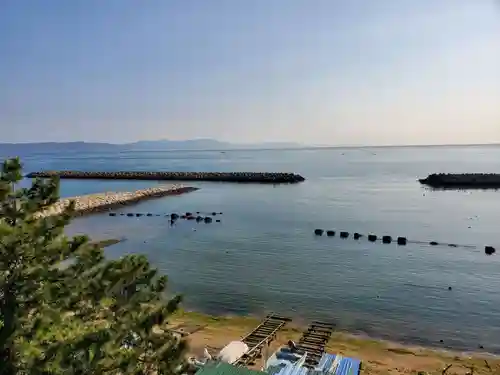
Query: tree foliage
{"type": "Point", "coordinates": [64, 308]}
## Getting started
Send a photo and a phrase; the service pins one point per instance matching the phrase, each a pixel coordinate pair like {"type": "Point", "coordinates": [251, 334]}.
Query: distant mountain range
{"type": "Point", "coordinates": [190, 144]}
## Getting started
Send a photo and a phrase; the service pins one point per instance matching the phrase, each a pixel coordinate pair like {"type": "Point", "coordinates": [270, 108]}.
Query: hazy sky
{"type": "Point", "coordinates": [310, 71]}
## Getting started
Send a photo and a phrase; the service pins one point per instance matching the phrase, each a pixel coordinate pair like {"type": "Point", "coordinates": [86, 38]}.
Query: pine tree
{"type": "Point", "coordinates": [64, 308]}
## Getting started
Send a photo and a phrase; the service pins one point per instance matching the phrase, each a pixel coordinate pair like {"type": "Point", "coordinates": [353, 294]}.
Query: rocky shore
{"type": "Point", "coordinates": [462, 180]}
{"type": "Point", "coordinates": [249, 177]}
{"type": "Point", "coordinates": [87, 204]}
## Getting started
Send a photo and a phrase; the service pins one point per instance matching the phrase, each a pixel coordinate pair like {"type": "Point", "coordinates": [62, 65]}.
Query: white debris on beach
{"type": "Point", "coordinates": [99, 202]}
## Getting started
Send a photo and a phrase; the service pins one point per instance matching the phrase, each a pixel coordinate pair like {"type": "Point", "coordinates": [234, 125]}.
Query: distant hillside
{"type": "Point", "coordinates": [19, 149]}
{"type": "Point", "coordinates": [9, 149]}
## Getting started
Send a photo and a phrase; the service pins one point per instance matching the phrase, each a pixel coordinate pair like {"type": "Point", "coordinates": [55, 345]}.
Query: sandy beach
{"type": "Point", "coordinates": [378, 357]}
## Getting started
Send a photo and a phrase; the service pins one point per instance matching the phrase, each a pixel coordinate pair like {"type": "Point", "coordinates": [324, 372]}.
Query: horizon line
{"type": "Point", "coordinates": [300, 146]}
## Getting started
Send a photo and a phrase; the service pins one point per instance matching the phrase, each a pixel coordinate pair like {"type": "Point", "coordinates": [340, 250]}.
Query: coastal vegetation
{"type": "Point", "coordinates": [64, 308]}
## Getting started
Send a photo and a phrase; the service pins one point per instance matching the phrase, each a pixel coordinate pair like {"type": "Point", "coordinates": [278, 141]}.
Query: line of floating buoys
{"type": "Point", "coordinates": [401, 241]}
{"type": "Point", "coordinates": [173, 216]}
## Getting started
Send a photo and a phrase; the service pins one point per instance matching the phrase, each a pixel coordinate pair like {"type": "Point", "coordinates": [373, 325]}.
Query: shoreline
{"type": "Point", "coordinates": [379, 356]}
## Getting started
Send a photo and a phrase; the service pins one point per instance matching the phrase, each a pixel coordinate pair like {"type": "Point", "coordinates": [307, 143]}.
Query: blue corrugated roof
{"type": "Point", "coordinates": [222, 368]}
{"type": "Point", "coordinates": [348, 366]}
{"type": "Point", "coordinates": [329, 364]}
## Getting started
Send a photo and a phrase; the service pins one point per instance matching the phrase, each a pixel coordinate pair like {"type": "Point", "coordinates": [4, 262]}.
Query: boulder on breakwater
{"type": "Point", "coordinates": [255, 177]}
{"type": "Point", "coordinates": [462, 180]}
{"type": "Point", "coordinates": [87, 204]}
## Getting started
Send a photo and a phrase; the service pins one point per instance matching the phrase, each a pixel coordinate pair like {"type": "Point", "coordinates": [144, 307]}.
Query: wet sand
{"type": "Point", "coordinates": [378, 356]}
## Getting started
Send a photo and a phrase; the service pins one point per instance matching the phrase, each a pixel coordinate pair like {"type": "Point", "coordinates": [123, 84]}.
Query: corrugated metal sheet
{"type": "Point", "coordinates": [329, 364]}
{"type": "Point", "coordinates": [338, 365]}
{"type": "Point", "coordinates": [222, 368]}
{"type": "Point", "coordinates": [348, 366]}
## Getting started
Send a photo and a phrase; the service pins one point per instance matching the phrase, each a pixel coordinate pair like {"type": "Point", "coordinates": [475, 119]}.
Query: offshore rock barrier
{"type": "Point", "coordinates": [252, 177]}
{"type": "Point", "coordinates": [463, 181]}
{"type": "Point", "coordinates": [93, 203]}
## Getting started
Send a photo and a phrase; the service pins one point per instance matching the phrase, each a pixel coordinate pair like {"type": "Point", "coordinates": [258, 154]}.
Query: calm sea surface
{"type": "Point", "coordinates": [263, 255]}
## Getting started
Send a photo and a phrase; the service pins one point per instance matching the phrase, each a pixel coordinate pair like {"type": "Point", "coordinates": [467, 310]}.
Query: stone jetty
{"type": "Point", "coordinates": [462, 180]}
{"type": "Point", "coordinates": [87, 204]}
{"type": "Point", "coordinates": [249, 177]}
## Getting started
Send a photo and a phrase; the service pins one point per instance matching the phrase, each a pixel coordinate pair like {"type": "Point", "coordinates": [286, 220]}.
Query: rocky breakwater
{"type": "Point", "coordinates": [249, 177]}
{"type": "Point", "coordinates": [462, 180]}
{"type": "Point", "coordinates": [87, 204]}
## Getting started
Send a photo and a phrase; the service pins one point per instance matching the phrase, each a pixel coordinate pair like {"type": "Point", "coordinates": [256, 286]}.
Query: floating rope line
{"type": "Point", "coordinates": [401, 241]}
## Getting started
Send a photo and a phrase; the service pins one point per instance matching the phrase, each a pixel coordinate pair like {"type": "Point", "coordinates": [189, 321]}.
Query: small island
{"type": "Point", "coordinates": [462, 180]}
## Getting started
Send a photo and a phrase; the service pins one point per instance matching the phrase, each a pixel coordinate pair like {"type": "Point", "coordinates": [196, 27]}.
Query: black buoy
{"type": "Point", "coordinates": [372, 238]}
{"type": "Point", "coordinates": [344, 234]}
{"type": "Point", "coordinates": [357, 236]}
{"type": "Point", "coordinates": [220, 213]}
{"type": "Point", "coordinates": [318, 232]}
{"type": "Point", "coordinates": [489, 250]}
{"type": "Point", "coordinates": [433, 243]}
{"type": "Point", "coordinates": [449, 288]}
{"type": "Point", "coordinates": [198, 212]}
{"type": "Point", "coordinates": [208, 219]}
{"type": "Point", "coordinates": [214, 213]}
{"type": "Point", "coordinates": [174, 216]}
{"type": "Point", "coordinates": [330, 233]}
{"type": "Point", "coordinates": [130, 214]}
{"type": "Point", "coordinates": [402, 241]}
{"type": "Point", "coordinates": [386, 239]}
{"type": "Point", "coordinates": [112, 214]}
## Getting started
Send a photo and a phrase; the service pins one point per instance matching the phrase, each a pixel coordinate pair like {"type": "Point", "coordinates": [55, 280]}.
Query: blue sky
{"type": "Point", "coordinates": [310, 71]}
